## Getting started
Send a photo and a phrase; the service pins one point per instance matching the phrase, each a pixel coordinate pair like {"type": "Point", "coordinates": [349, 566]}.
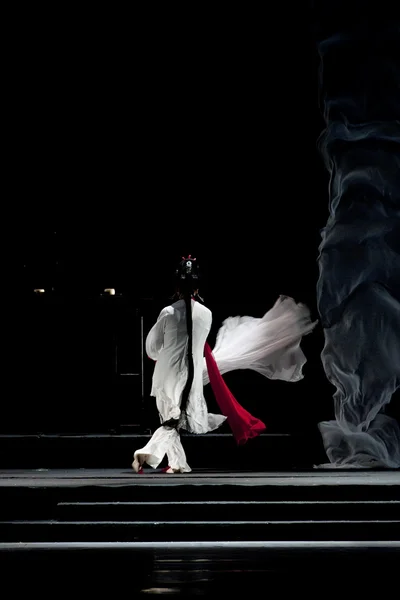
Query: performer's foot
{"type": "Point", "coordinates": [167, 470]}
{"type": "Point", "coordinates": [137, 466]}
{"type": "Point", "coordinates": [170, 470]}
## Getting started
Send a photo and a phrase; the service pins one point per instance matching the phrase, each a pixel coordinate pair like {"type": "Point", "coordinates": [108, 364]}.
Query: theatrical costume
{"type": "Point", "coordinates": [269, 345]}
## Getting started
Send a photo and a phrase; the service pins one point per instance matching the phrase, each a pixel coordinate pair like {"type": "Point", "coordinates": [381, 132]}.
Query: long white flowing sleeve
{"type": "Point", "coordinates": [155, 337]}
{"type": "Point", "coordinates": [269, 345]}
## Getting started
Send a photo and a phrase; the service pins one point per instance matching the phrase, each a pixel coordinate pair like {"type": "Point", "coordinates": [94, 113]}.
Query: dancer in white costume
{"type": "Point", "coordinates": [270, 346]}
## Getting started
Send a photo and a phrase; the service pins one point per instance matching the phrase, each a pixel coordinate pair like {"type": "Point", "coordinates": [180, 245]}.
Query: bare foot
{"type": "Point", "coordinates": [137, 465]}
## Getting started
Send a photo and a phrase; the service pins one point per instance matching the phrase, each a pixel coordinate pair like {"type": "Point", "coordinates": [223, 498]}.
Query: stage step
{"type": "Point", "coordinates": [48, 506]}
{"type": "Point", "coordinates": [75, 495]}
{"type": "Point", "coordinates": [146, 531]}
{"type": "Point", "coordinates": [223, 510]}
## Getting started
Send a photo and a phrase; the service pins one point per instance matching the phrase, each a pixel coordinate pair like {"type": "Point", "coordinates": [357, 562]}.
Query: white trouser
{"type": "Point", "coordinates": [164, 441]}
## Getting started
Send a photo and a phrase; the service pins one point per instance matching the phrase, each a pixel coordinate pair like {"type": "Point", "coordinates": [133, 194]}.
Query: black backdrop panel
{"type": "Point", "coordinates": [77, 364]}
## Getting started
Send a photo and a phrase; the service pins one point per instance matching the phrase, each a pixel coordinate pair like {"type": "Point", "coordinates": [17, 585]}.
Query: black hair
{"type": "Point", "coordinates": [187, 282]}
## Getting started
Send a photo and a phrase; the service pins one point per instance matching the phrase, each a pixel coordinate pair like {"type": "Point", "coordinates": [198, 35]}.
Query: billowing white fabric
{"type": "Point", "coordinates": [269, 345]}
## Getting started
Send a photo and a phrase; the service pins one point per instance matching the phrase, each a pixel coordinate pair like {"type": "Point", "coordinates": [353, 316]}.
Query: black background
{"type": "Point", "coordinates": [157, 134]}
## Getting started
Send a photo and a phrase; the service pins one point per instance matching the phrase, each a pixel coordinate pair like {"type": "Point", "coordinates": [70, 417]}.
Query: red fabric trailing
{"type": "Point", "coordinates": [244, 426]}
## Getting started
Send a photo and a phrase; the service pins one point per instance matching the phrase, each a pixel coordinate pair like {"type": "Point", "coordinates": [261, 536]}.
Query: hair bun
{"type": "Point", "coordinates": [187, 269]}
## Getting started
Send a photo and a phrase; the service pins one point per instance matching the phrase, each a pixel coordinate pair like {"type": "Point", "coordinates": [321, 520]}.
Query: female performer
{"type": "Point", "coordinates": [185, 363]}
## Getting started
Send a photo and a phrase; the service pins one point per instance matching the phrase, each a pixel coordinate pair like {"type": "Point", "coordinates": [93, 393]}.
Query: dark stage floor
{"type": "Point", "coordinates": [126, 476]}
